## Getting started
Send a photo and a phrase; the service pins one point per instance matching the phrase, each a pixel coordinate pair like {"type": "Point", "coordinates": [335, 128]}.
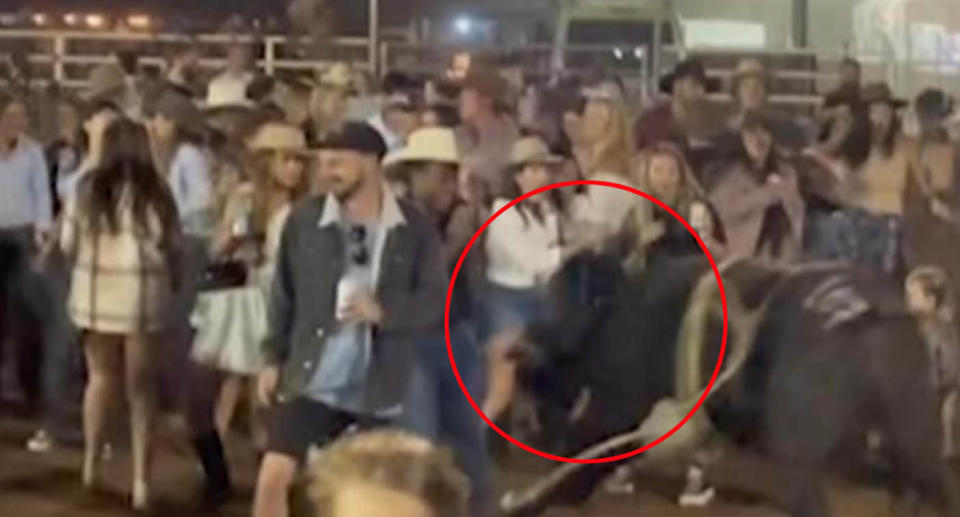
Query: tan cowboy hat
{"type": "Point", "coordinates": [338, 76]}
{"type": "Point", "coordinates": [278, 136]}
{"type": "Point", "coordinates": [532, 149]}
{"type": "Point", "coordinates": [106, 83]}
{"type": "Point", "coordinates": [432, 144]}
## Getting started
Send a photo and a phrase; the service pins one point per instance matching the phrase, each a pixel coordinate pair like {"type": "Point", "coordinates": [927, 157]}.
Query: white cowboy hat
{"type": "Point", "coordinates": [532, 149]}
{"type": "Point", "coordinates": [222, 94]}
{"type": "Point", "coordinates": [432, 144]}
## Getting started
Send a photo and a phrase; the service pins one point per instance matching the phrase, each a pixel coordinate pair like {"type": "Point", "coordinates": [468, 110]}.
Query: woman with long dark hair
{"type": "Point", "coordinates": [523, 250]}
{"type": "Point", "coordinates": [123, 231]}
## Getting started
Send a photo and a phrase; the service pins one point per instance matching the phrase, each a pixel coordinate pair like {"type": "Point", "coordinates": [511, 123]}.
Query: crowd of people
{"type": "Point", "coordinates": [284, 245]}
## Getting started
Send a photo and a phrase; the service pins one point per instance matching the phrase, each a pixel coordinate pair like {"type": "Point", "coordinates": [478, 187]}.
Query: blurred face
{"type": "Point", "coordinates": [688, 90]}
{"type": "Point", "coordinates": [881, 120]}
{"type": "Point", "coordinates": [758, 143]}
{"type": "Point", "coordinates": [919, 300]}
{"type": "Point", "coordinates": [751, 92]}
{"type": "Point", "coordinates": [665, 177]}
{"type": "Point", "coordinates": [238, 59]}
{"type": "Point", "coordinates": [287, 170]}
{"type": "Point", "coordinates": [329, 104]}
{"type": "Point", "coordinates": [402, 122]}
{"type": "Point", "coordinates": [163, 128]}
{"type": "Point", "coordinates": [849, 74]}
{"type": "Point", "coordinates": [473, 105]}
{"type": "Point", "coordinates": [533, 177]}
{"type": "Point", "coordinates": [68, 121]}
{"type": "Point", "coordinates": [13, 120]}
{"type": "Point", "coordinates": [373, 501]}
{"type": "Point", "coordinates": [597, 117]}
{"type": "Point", "coordinates": [435, 186]}
{"type": "Point", "coordinates": [343, 172]}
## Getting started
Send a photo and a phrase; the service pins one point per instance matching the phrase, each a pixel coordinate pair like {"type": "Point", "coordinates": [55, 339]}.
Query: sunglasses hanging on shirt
{"type": "Point", "coordinates": [357, 237]}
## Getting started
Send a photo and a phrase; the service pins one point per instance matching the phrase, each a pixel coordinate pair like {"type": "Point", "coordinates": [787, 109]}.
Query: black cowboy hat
{"type": "Point", "coordinates": [880, 92]}
{"type": "Point", "coordinates": [691, 67]}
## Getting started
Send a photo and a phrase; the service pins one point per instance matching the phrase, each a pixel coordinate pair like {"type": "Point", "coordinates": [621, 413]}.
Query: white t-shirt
{"type": "Point", "coordinates": [522, 252]}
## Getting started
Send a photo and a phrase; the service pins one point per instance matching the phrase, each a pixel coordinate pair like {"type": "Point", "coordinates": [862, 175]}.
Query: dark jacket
{"type": "Point", "coordinates": [410, 287]}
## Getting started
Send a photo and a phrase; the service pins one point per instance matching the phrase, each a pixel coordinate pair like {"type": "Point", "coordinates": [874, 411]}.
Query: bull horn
{"type": "Point", "coordinates": [513, 503]}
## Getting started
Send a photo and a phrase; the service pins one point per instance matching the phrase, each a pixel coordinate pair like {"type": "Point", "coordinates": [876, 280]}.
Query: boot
{"type": "Point", "coordinates": [217, 486]}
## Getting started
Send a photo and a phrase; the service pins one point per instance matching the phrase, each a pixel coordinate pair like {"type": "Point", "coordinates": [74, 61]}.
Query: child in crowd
{"type": "Point", "coordinates": [930, 301]}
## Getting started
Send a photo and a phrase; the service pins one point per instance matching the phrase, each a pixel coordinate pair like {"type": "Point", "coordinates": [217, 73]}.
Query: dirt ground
{"type": "Point", "coordinates": [48, 486]}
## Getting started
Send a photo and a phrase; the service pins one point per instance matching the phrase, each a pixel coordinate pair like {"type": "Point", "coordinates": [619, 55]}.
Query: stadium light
{"type": "Point", "coordinates": [95, 21]}
{"type": "Point", "coordinates": [463, 25]}
{"type": "Point", "coordinates": [71, 19]}
{"type": "Point", "coordinates": [40, 19]}
{"type": "Point", "coordinates": [139, 21]}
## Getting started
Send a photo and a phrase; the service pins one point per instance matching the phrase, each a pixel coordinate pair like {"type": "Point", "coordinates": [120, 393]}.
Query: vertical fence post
{"type": "Point", "coordinates": [59, 52]}
{"type": "Point", "coordinates": [270, 55]}
{"type": "Point", "coordinates": [373, 41]}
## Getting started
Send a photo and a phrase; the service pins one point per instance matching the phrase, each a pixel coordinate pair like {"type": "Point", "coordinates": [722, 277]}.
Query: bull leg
{"type": "Point", "coordinates": [807, 496]}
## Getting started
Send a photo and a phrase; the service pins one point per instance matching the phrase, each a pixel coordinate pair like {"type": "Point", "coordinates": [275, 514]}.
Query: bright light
{"type": "Point", "coordinates": [139, 21]}
{"type": "Point", "coordinates": [638, 52]}
{"type": "Point", "coordinates": [463, 25]}
{"type": "Point", "coordinates": [95, 21]}
{"type": "Point", "coordinates": [618, 53]}
{"type": "Point", "coordinates": [39, 19]}
{"type": "Point", "coordinates": [71, 19]}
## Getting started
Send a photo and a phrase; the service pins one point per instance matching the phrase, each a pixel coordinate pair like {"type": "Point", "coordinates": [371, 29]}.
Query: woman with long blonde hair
{"type": "Point", "coordinates": [600, 214]}
{"type": "Point", "coordinates": [231, 322]}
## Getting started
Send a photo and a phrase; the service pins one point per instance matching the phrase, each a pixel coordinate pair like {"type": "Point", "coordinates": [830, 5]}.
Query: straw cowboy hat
{"type": "Point", "coordinates": [880, 92]}
{"type": "Point", "coordinates": [748, 67]}
{"type": "Point", "coordinates": [339, 76]}
{"type": "Point", "coordinates": [530, 150]}
{"type": "Point", "coordinates": [689, 68]}
{"type": "Point", "coordinates": [278, 136]}
{"type": "Point", "coordinates": [433, 144]}
{"type": "Point", "coordinates": [107, 83]}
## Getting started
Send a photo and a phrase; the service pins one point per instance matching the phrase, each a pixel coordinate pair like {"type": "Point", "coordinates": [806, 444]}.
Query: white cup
{"type": "Point", "coordinates": [347, 288]}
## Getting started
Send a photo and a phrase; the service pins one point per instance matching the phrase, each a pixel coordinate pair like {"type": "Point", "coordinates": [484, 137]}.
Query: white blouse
{"type": "Point", "coordinates": [522, 252]}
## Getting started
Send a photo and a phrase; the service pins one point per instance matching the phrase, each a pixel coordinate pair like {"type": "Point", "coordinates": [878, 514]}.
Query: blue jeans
{"type": "Point", "coordinates": [63, 364]}
{"type": "Point", "coordinates": [437, 409]}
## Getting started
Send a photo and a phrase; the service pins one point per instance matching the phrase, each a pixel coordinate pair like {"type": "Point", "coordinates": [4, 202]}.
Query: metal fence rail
{"type": "Point", "coordinates": [799, 76]}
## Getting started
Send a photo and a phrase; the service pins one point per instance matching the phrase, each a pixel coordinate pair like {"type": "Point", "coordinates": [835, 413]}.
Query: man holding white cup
{"type": "Point", "coordinates": [360, 278]}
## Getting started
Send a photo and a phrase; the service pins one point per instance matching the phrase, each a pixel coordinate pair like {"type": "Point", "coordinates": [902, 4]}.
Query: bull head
{"type": "Point", "coordinates": [550, 358]}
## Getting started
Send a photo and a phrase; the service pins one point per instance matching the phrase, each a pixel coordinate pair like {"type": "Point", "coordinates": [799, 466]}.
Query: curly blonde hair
{"type": "Point", "coordinates": [394, 460]}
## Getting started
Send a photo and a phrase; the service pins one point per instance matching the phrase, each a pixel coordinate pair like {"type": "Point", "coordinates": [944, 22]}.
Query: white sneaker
{"type": "Point", "coordinates": [41, 442]}
{"type": "Point", "coordinates": [696, 494]}
{"type": "Point", "coordinates": [697, 500]}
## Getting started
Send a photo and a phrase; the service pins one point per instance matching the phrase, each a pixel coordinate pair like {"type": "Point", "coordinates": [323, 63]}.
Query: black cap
{"type": "Point", "coordinates": [356, 136]}
{"type": "Point", "coordinates": [692, 68]}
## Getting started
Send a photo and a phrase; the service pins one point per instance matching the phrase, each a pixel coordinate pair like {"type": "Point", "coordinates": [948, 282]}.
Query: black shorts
{"type": "Point", "coordinates": [297, 425]}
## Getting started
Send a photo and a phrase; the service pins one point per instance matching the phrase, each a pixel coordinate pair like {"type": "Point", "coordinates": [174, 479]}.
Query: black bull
{"type": "Point", "coordinates": [824, 369]}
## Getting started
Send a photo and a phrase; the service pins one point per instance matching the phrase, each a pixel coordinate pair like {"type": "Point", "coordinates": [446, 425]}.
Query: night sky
{"type": "Point", "coordinates": [352, 12]}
